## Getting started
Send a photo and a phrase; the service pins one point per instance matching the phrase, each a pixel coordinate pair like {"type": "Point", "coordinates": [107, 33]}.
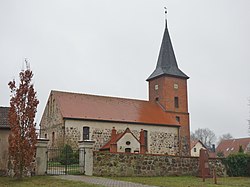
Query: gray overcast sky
{"type": "Point", "coordinates": [111, 47]}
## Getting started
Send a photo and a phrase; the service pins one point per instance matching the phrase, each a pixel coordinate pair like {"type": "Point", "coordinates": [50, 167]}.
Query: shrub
{"type": "Point", "coordinates": [220, 154]}
{"type": "Point", "coordinates": [238, 164]}
{"type": "Point", "coordinates": [241, 149]}
{"type": "Point", "coordinates": [68, 156]}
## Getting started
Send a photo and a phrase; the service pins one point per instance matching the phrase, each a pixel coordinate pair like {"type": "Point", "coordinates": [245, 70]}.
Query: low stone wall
{"type": "Point", "coordinates": [124, 164]}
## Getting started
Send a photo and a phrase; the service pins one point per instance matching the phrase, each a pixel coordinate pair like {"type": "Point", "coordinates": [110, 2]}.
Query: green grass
{"type": "Point", "coordinates": [183, 181]}
{"type": "Point", "coordinates": [58, 164]}
{"type": "Point", "coordinates": [188, 181]}
{"type": "Point", "coordinates": [45, 181]}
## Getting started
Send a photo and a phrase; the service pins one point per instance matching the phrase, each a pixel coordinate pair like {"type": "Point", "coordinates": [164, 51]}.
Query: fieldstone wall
{"type": "Point", "coordinates": [159, 142]}
{"type": "Point", "coordinates": [185, 147]}
{"type": "Point", "coordinates": [164, 143]}
{"type": "Point", "coordinates": [52, 122]}
{"type": "Point", "coordinates": [72, 136]}
{"type": "Point", "coordinates": [122, 164]}
{"type": "Point", "coordinates": [100, 136]}
{"type": "Point", "coordinates": [218, 164]}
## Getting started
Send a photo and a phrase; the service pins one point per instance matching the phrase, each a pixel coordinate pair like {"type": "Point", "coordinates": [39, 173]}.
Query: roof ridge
{"type": "Point", "coordinates": [112, 97]}
{"type": "Point", "coordinates": [94, 107]}
{"type": "Point", "coordinates": [235, 139]}
{"type": "Point", "coordinates": [241, 138]}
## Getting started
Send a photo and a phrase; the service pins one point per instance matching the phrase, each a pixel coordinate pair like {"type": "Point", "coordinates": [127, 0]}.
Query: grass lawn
{"type": "Point", "coordinates": [188, 181]}
{"type": "Point", "coordinates": [45, 181]}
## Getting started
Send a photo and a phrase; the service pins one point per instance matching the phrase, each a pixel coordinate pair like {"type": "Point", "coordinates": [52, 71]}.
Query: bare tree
{"type": "Point", "coordinates": [226, 136]}
{"type": "Point", "coordinates": [206, 136]}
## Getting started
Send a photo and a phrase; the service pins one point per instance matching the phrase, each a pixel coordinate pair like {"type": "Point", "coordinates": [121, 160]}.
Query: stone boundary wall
{"type": "Point", "coordinates": [131, 164]}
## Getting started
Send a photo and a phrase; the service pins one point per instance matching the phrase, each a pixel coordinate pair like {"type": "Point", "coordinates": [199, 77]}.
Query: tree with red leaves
{"type": "Point", "coordinates": [22, 138]}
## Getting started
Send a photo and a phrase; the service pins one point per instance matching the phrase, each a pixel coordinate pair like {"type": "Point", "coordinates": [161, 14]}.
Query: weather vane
{"type": "Point", "coordinates": [165, 8]}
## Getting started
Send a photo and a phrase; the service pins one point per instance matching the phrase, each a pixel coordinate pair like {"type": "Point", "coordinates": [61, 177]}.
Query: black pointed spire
{"type": "Point", "coordinates": [166, 64]}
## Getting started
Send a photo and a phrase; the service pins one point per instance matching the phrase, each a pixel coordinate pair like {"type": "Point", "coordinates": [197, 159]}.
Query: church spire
{"type": "Point", "coordinates": [167, 64]}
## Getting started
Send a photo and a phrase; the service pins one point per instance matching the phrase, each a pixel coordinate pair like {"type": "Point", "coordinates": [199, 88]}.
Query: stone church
{"type": "Point", "coordinates": [162, 120]}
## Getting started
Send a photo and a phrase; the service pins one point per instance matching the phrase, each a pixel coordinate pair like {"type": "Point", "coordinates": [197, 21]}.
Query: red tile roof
{"type": "Point", "coordinates": [116, 139]}
{"type": "Point", "coordinates": [212, 154]}
{"type": "Point", "coordinates": [194, 142]}
{"type": "Point", "coordinates": [232, 146]}
{"type": "Point", "coordinates": [92, 107]}
{"type": "Point", "coordinates": [107, 145]}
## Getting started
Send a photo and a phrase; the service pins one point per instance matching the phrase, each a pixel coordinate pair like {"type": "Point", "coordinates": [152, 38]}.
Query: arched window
{"type": "Point", "coordinates": [53, 106]}
{"type": "Point", "coordinates": [85, 133]}
{"type": "Point", "coordinates": [176, 102]}
{"type": "Point", "coordinates": [146, 139]}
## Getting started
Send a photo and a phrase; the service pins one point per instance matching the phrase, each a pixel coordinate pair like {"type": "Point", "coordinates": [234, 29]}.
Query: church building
{"type": "Point", "coordinates": [159, 125]}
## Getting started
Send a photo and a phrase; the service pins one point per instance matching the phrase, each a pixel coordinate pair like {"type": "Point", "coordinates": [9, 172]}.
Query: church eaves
{"type": "Point", "coordinates": [166, 64]}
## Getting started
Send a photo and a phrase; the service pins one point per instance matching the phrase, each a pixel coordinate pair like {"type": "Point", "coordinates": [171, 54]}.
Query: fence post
{"type": "Point", "coordinates": [41, 156]}
{"type": "Point", "coordinates": [86, 156]}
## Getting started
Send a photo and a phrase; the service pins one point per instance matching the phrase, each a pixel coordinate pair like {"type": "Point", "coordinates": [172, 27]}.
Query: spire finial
{"type": "Point", "coordinates": [165, 8]}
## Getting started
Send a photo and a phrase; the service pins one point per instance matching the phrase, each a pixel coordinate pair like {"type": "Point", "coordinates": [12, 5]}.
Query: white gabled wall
{"type": "Point", "coordinates": [197, 147]}
{"type": "Point", "coordinates": [134, 144]}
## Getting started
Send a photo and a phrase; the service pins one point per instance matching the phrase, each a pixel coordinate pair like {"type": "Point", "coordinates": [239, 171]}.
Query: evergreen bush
{"type": "Point", "coordinates": [238, 165]}
{"type": "Point", "coordinates": [68, 156]}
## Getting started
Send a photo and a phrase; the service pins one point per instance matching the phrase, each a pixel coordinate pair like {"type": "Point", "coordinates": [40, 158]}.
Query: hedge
{"type": "Point", "coordinates": [238, 165]}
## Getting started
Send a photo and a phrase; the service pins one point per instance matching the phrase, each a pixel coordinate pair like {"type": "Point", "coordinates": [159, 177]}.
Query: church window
{"type": "Point", "coordinates": [53, 138]}
{"type": "Point", "coordinates": [176, 102]}
{"type": "Point", "coordinates": [50, 107]}
{"type": "Point", "coordinates": [178, 119]}
{"type": "Point", "coordinates": [156, 87]}
{"type": "Point", "coordinates": [128, 143]}
{"type": "Point", "coordinates": [194, 149]}
{"type": "Point", "coordinates": [85, 133]}
{"type": "Point", "coordinates": [136, 151]}
{"type": "Point", "coordinates": [53, 106]}
{"type": "Point", "coordinates": [45, 136]}
{"type": "Point", "coordinates": [146, 139]}
{"type": "Point", "coordinates": [176, 86]}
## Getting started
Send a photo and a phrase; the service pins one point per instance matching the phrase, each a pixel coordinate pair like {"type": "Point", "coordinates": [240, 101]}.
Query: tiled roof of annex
{"type": "Point", "coordinates": [102, 108]}
{"type": "Point", "coordinates": [116, 138]}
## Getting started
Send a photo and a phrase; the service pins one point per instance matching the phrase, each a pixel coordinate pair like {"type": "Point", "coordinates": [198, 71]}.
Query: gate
{"type": "Point", "coordinates": [65, 161]}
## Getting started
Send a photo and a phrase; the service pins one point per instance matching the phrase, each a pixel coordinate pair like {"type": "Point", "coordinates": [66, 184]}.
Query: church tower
{"type": "Point", "coordinates": [168, 88]}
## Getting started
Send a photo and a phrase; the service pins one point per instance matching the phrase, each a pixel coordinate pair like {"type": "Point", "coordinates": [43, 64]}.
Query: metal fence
{"type": "Point", "coordinates": [65, 161]}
